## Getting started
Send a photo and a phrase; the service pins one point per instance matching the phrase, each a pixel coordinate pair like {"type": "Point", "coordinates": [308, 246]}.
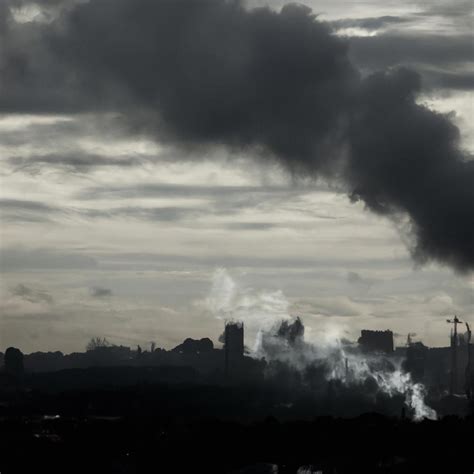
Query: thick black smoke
{"type": "Point", "coordinates": [405, 157]}
{"type": "Point", "coordinates": [279, 84]}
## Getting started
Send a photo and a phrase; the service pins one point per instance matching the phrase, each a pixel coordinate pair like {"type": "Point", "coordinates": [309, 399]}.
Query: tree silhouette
{"type": "Point", "coordinates": [96, 343]}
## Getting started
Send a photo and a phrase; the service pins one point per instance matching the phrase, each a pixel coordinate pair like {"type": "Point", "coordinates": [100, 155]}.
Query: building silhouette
{"type": "Point", "coordinates": [233, 348]}
{"type": "Point", "coordinates": [13, 362]}
{"type": "Point", "coordinates": [376, 341]}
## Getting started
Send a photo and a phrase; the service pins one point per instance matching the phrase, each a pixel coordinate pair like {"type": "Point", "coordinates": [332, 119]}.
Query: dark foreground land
{"type": "Point", "coordinates": [181, 428]}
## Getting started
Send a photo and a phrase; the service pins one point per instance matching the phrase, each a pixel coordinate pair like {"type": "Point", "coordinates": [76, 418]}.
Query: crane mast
{"type": "Point", "coordinates": [454, 363]}
{"type": "Point", "coordinates": [468, 365]}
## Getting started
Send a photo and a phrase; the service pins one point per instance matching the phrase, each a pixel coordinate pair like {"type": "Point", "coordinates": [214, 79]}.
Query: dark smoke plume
{"type": "Point", "coordinates": [277, 84]}
{"type": "Point", "coordinates": [292, 332]}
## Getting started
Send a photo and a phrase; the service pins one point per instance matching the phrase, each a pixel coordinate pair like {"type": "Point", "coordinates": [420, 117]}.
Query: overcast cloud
{"type": "Point", "coordinates": [146, 143]}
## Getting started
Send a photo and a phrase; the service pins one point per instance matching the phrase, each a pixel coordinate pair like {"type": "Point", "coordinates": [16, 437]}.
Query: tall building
{"type": "Point", "coordinates": [376, 341]}
{"type": "Point", "coordinates": [233, 347]}
{"type": "Point", "coordinates": [416, 360]}
{"type": "Point", "coordinates": [13, 361]}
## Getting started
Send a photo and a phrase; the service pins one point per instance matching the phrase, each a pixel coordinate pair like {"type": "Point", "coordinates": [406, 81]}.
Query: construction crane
{"type": "Point", "coordinates": [454, 362]}
{"type": "Point", "coordinates": [468, 365]}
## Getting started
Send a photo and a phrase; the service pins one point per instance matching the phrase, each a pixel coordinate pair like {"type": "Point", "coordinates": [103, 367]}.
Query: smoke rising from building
{"type": "Point", "coordinates": [364, 374]}
{"type": "Point", "coordinates": [274, 84]}
{"type": "Point", "coordinates": [355, 371]}
{"type": "Point", "coordinates": [256, 309]}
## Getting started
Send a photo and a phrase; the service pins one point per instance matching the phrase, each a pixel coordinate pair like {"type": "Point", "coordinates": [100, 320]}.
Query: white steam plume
{"type": "Point", "coordinates": [258, 310]}
{"type": "Point", "coordinates": [263, 312]}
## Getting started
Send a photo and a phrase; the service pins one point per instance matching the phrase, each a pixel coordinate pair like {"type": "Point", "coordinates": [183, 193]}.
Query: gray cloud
{"type": "Point", "coordinates": [251, 225]}
{"type": "Point", "coordinates": [41, 317]}
{"type": "Point", "coordinates": [390, 49]}
{"type": "Point", "coordinates": [355, 278]}
{"type": "Point", "coordinates": [153, 261]}
{"type": "Point", "coordinates": [166, 214]}
{"type": "Point", "coordinates": [430, 54]}
{"type": "Point", "coordinates": [454, 8]}
{"type": "Point", "coordinates": [18, 259]}
{"type": "Point", "coordinates": [370, 23]}
{"type": "Point", "coordinates": [31, 294]}
{"type": "Point", "coordinates": [358, 281]}
{"type": "Point", "coordinates": [339, 305]}
{"type": "Point", "coordinates": [274, 84]}
{"type": "Point", "coordinates": [450, 80]}
{"type": "Point", "coordinates": [170, 190]}
{"type": "Point", "coordinates": [18, 204]}
{"type": "Point", "coordinates": [78, 162]}
{"type": "Point", "coordinates": [223, 201]}
{"type": "Point", "coordinates": [100, 292]}
{"type": "Point", "coordinates": [16, 210]}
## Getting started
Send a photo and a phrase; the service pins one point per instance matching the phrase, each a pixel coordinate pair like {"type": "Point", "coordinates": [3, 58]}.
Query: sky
{"type": "Point", "coordinates": [168, 165]}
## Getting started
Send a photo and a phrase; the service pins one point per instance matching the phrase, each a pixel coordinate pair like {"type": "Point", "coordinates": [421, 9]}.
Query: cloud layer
{"type": "Point", "coordinates": [277, 83]}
